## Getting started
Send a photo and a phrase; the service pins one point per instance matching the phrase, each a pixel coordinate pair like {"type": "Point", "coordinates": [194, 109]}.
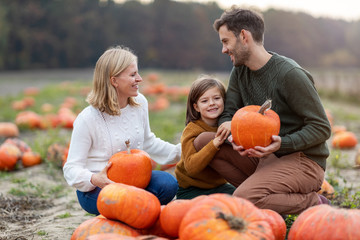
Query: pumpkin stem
{"type": "Point", "coordinates": [127, 142]}
{"type": "Point", "coordinates": [233, 222]}
{"type": "Point", "coordinates": [266, 106]}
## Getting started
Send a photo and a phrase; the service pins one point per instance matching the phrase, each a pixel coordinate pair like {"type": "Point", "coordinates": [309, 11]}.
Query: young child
{"type": "Point", "coordinates": [204, 106]}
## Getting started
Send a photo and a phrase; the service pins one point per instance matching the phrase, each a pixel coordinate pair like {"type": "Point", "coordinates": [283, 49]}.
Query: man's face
{"type": "Point", "coordinates": [232, 45]}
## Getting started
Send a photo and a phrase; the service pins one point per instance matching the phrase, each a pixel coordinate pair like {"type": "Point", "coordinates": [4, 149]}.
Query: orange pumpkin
{"type": "Point", "coordinates": [161, 103]}
{"type": "Point", "coordinates": [326, 222]}
{"type": "Point", "coordinates": [28, 119]}
{"type": "Point", "coordinates": [23, 146]}
{"type": "Point", "coordinates": [222, 216]}
{"type": "Point", "coordinates": [131, 205]}
{"type": "Point", "coordinates": [99, 224]}
{"type": "Point", "coordinates": [108, 236]}
{"type": "Point", "coordinates": [344, 139]}
{"type": "Point", "coordinates": [8, 129]}
{"type": "Point", "coordinates": [172, 214]}
{"type": "Point", "coordinates": [9, 154]}
{"type": "Point", "coordinates": [327, 190]}
{"type": "Point", "coordinates": [132, 167]}
{"type": "Point", "coordinates": [254, 125]}
{"type": "Point", "coordinates": [29, 159]}
{"type": "Point", "coordinates": [31, 91]}
{"type": "Point", "coordinates": [276, 222]}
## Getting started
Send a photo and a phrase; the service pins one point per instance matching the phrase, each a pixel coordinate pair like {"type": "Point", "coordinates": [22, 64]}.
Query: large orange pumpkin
{"type": "Point", "coordinates": [326, 222]}
{"type": "Point", "coordinates": [131, 167]}
{"type": "Point", "coordinates": [344, 139]}
{"type": "Point", "coordinates": [254, 125]}
{"type": "Point", "coordinates": [99, 224]}
{"type": "Point", "coordinates": [276, 222]}
{"type": "Point", "coordinates": [9, 154]}
{"type": "Point", "coordinates": [131, 205]}
{"type": "Point", "coordinates": [223, 217]}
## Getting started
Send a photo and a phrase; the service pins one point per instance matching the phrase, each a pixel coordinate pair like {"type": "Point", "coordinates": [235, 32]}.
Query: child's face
{"type": "Point", "coordinates": [210, 105]}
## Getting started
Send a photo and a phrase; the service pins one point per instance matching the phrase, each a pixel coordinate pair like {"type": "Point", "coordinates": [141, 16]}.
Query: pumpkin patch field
{"type": "Point", "coordinates": [37, 109]}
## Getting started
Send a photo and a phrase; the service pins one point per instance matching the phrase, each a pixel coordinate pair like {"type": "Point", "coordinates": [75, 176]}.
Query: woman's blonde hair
{"type": "Point", "coordinates": [197, 89]}
{"type": "Point", "coordinates": [110, 64]}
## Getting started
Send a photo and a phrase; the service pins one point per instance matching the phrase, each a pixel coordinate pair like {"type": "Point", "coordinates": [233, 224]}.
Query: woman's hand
{"type": "Point", "coordinates": [100, 179]}
{"type": "Point", "coordinates": [258, 151]}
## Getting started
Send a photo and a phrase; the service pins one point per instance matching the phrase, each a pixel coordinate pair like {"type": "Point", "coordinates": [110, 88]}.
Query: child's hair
{"type": "Point", "coordinates": [198, 88]}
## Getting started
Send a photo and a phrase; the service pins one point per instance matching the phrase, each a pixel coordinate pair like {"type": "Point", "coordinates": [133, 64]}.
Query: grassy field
{"type": "Point", "coordinates": [56, 212]}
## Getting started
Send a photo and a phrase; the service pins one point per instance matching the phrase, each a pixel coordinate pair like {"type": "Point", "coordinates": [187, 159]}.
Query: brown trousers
{"type": "Point", "coordinates": [287, 185]}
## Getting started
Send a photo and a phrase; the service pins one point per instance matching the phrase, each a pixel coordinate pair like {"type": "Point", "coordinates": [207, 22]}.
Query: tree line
{"type": "Point", "coordinates": [165, 34]}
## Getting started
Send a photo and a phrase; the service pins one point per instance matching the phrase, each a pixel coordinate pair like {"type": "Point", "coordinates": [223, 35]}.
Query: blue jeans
{"type": "Point", "coordinates": [162, 184]}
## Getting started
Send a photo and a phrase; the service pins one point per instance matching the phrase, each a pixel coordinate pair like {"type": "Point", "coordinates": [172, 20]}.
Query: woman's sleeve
{"type": "Point", "coordinates": [75, 171]}
{"type": "Point", "coordinates": [160, 151]}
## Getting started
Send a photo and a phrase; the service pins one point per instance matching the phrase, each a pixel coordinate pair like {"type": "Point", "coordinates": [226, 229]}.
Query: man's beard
{"type": "Point", "coordinates": [241, 54]}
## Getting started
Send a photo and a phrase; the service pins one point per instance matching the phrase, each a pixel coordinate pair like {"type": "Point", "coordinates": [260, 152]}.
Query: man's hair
{"type": "Point", "coordinates": [237, 19]}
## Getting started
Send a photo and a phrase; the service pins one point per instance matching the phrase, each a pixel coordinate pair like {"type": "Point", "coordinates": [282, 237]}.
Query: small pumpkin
{"type": "Point", "coordinates": [131, 167]}
{"type": "Point", "coordinates": [327, 190]}
{"type": "Point", "coordinates": [8, 129]}
{"type": "Point", "coordinates": [326, 222]}
{"type": "Point", "coordinates": [255, 125]}
{"type": "Point", "coordinates": [222, 216]}
{"type": "Point", "coordinates": [9, 154]}
{"type": "Point", "coordinates": [276, 222]}
{"type": "Point", "coordinates": [344, 139]}
{"type": "Point", "coordinates": [31, 158]}
{"type": "Point", "coordinates": [131, 205]}
{"type": "Point", "coordinates": [99, 224]}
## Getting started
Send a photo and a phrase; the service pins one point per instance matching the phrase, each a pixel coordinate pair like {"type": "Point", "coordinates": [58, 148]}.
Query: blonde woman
{"type": "Point", "coordinates": [117, 112]}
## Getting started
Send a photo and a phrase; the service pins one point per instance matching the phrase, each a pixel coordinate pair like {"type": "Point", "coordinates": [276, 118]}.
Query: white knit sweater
{"type": "Point", "coordinates": [97, 136]}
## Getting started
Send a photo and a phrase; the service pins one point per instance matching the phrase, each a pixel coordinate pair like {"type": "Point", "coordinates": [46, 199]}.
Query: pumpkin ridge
{"type": "Point", "coordinates": [234, 222]}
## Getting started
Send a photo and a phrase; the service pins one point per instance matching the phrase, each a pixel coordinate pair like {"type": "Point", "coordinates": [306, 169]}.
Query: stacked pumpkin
{"type": "Point", "coordinates": [14, 149]}
{"type": "Point", "coordinates": [128, 210]}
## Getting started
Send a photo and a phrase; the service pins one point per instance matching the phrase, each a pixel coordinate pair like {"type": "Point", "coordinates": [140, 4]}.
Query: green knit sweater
{"type": "Point", "coordinates": [193, 168]}
{"type": "Point", "coordinates": [304, 124]}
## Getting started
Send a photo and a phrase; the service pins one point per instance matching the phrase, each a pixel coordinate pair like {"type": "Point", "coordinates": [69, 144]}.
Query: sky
{"type": "Point", "coordinates": [338, 9]}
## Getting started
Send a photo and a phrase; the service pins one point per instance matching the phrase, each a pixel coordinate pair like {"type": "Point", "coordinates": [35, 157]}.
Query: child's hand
{"type": "Point", "coordinates": [224, 129]}
{"type": "Point", "coordinates": [220, 138]}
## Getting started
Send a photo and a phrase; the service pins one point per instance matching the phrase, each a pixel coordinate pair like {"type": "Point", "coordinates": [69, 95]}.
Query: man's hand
{"type": "Point", "coordinates": [100, 179]}
{"type": "Point", "coordinates": [258, 151]}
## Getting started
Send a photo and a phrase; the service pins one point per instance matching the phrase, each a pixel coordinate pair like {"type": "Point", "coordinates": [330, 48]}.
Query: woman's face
{"type": "Point", "coordinates": [127, 83]}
